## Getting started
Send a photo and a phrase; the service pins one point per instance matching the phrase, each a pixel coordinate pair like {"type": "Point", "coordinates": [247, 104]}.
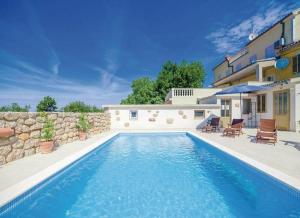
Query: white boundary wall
{"type": "Point", "coordinates": [155, 117]}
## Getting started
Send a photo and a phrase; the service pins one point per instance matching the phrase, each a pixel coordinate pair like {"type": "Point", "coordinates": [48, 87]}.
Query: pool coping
{"type": "Point", "coordinates": [12, 192]}
{"type": "Point", "coordinates": [270, 171]}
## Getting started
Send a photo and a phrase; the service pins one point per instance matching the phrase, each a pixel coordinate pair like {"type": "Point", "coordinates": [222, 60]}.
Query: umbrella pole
{"type": "Point", "coordinates": [241, 104]}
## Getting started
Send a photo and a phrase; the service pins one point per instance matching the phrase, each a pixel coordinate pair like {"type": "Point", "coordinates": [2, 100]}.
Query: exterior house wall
{"type": "Point", "coordinates": [296, 28]}
{"type": "Point", "coordinates": [296, 108]}
{"type": "Point", "coordinates": [160, 118]}
{"type": "Point", "coordinates": [258, 46]}
{"type": "Point", "coordinates": [286, 73]}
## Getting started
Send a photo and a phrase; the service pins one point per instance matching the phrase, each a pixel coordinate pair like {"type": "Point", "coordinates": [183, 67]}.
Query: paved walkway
{"type": "Point", "coordinates": [284, 156]}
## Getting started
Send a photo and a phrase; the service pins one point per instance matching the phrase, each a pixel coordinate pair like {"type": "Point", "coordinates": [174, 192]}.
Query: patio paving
{"type": "Point", "coordinates": [284, 156]}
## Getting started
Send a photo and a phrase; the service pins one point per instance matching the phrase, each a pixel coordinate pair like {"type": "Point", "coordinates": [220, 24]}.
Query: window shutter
{"type": "Point", "coordinates": [298, 63]}
{"type": "Point", "coordinates": [295, 64]}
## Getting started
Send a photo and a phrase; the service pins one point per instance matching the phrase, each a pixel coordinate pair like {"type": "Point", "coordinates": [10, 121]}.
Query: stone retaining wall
{"type": "Point", "coordinates": [28, 131]}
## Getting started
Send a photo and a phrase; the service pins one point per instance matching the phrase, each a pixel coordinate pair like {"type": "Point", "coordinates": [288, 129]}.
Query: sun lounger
{"type": "Point", "coordinates": [212, 126]}
{"type": "Point", "coordinates": [267, 131]}
{"type": "Point", "coordinates": [235, 128]}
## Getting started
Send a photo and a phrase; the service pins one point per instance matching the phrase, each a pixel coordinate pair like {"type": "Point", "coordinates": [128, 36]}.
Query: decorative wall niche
{"type": "Point", "coordinates": [169, 120]}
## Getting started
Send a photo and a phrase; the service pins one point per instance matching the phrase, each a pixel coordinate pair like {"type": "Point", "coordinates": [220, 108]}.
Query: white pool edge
{"type": "Point", "coordinates": [288, 180]}
{"type": "Point", "coordinates": [18, 189]}
{"type": "Point", "coordinates": [12, 192]}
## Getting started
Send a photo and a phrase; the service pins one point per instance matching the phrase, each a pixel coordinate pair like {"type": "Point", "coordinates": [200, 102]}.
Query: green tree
{"type": "Point", "coordinates": [184, 75]}
{"type": "Point", "coordinates": [79, 106]}
{"type": "Point", "coordinates": [46, 104]}
{"type": "Point", "coordinates": [14, 107]}
{"type": "Point", "coordinates": [143, 92]}
{"type": "Point", "coordinates": [172, 75]}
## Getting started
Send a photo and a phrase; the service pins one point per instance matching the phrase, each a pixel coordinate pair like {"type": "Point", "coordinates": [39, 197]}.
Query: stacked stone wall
{"type": "Point", "coordinates": [28, 128]}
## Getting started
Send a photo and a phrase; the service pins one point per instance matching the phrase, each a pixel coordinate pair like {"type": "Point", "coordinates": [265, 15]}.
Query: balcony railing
{"type": "Point", "coordinates": [180, 92]}
{"type": "Point", "coordinates": [183, 92]}
{"type": "Point", "coordinates": [223, 75]}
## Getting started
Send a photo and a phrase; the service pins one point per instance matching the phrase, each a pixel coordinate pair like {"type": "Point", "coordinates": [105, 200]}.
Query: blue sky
{"type": "Point", "coordinates": [92, 50]}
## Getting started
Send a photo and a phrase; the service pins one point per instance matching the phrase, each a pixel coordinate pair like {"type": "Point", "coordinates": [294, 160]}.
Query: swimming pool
{"type": "Point", "coordinates": [157, 175]}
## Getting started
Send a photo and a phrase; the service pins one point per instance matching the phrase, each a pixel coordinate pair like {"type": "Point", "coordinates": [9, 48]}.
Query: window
{"type": "Point", "coordinates": [253, 59]}
{"type": "Point", "coordinates": [296, 64]}
{"type": "Point", "coordinates": [133, 115]}
{"type": "Point", "coordinates": [247, 109]}
{"type": "Point", "coordinates": [277, 44]}
{"type": "Point", "coordinates": [270, 51]}
{"type": "Point", "coordinates": [198, 114]}
{"type": "Point", "coordinates": [225, 107]}
{"type": "Point", "coordinates": [261, 103]}
{"type": "Point", "coordinates": [270, 78]}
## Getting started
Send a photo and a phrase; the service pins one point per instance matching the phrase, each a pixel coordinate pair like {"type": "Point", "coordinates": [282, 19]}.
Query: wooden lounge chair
{"type": "Point", "coordinates": [267, 131]}
{"type": "Point", "coordinates": [235, 128]}
{"type": "Point", "coordinates": [212, 125]}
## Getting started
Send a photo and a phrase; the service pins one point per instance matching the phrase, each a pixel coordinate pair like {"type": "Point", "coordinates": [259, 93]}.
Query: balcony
{"type": "Point", "coordinates": [255, 67]}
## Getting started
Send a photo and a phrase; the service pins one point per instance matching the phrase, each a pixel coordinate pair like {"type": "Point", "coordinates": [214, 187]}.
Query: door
{"type": "Point", "coordinates": [225, 112]}
{"type": "Point", "coordinates": [282, 109]}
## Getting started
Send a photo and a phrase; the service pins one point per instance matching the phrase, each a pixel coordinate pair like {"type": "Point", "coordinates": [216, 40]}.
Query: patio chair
{"type": "Point", "coordinates": [267, 131]}
{"type": "Point", "coordinates": [235, 128]}
{"type": "Point", "coordinates": [212, 125]}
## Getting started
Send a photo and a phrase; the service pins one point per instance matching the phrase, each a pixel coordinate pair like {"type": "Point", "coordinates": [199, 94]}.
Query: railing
{"type": "Point", "coordinates": [183, 92]}
{"type": "Point", "coordinates": [223, 75]}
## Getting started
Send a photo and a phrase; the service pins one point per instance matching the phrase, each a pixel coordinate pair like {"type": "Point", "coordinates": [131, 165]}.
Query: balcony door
{"type": "Point", "coordinates": [282, 109]}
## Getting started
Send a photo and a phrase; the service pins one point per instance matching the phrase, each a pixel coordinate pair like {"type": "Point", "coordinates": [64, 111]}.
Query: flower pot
{"type": "Point", "coordinates": [6, 132]}
{"type": "Point", "coordinates": [46, 147]}
{"type": "Point", "coordinates": [82, 136]}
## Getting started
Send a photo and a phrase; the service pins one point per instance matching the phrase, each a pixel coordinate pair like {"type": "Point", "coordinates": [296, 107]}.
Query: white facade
{"type": "Point", "coordinates": [160, 116]}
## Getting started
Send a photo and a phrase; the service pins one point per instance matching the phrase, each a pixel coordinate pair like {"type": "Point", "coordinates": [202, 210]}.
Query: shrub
{"type": "Point", "coordinates": [14, 107]}
{"type": "Point", "coordinates": [48, 129]}
{"type": "Point", "coordinates": [47, 104]}
{"type": "Point", "coordinates": [83, 124]}
{"type": "Point", "coordinates": [79, 106]}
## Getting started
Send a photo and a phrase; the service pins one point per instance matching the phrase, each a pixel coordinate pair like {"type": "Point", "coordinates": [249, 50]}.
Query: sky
{"type": "Point", "coordinates": [92, 50]}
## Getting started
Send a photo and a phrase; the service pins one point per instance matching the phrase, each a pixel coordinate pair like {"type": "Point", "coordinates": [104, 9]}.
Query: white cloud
{"type": "Point", "coordinates": [25, 83]}
{"type": "Point", "coordinates": [230, 39]}
{"type": "Point", "coordinates": [39, 33]}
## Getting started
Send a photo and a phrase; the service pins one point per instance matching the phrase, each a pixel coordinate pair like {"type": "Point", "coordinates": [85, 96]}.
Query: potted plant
{"type": "Point", "coordinates": [83, 126]}
{"type": "Point", "coordinates": [47, 144]}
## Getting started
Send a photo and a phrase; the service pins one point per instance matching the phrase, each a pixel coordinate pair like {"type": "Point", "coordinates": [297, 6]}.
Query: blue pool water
{"type": "Point", "coordinates": [157, 175]}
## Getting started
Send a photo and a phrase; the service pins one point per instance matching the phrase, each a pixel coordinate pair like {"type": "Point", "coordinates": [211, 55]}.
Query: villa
{"type": "Point", "coordinates": [152, 160]}
{"type": "Point", "coordinates": [271, 59]}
